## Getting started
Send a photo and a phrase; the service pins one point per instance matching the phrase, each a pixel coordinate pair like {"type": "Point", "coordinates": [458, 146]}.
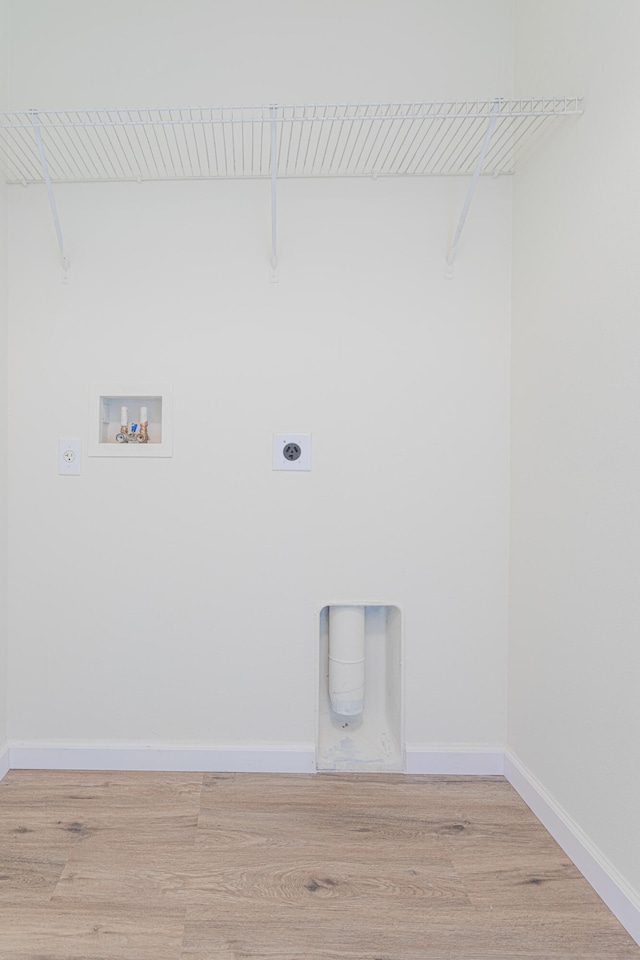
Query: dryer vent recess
{"type": "Point", "coordinates": [360, 696]}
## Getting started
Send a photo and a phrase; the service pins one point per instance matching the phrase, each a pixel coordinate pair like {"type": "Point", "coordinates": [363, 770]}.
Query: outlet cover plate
{"type": "Point", "coordinates": [283, 440]}
{"type": "Point", "coordinates": [69, 457]}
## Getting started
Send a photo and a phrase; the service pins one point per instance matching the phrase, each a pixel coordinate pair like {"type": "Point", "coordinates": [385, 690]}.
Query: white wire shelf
{"type": "Point", "coordinates": [329, 140]}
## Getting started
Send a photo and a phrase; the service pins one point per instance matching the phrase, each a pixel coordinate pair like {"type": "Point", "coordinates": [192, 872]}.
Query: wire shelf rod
{"type": "Point", "coordinates": [331, 146]}
{"type": "Point", "coordinates": [474, 145]}
{"type": "Point", "coordinates": [504, 138]}
{"type": "Point", "coordinates": [509, 149]}
{"type": "Point", "coordinates": [109, 154]}
{"type": "Point", "coordinates": [426, 135]}
{"type": "Point", "coordinates": [368, 166]}
{"type": "Point", "coordinates": [413, 127]}
{"type": "Point", "coordinates": [129, 149]}
{"type": "Point", "coordinates": [155, 148]}
{"type": "Point", "coordinates": [327, 131]}
{"type": "Point", "coordinates": [468, 145]}
{"type": "Point", "coordinates": [434, 146]}
{"type": "Point", "coordinates": [118, 151]}
{"type": "Point", "coordinates": [95, 157]}
{"type": "Point", "coordinates": [352, 135]}
{"type": "Point", "coordinates": [25, 162]}
{"type": "Point", "coordinates": [451, 147]}
{"type": "Point", "coordinates": [319, 138]}
{"type": "Point", "coordinates": [377, 163]}
{"type": "Point", "coordinates": [59, 154]}
{"type": "Point", "coordinates": [398, 138]}
{"type": "Point", "coordinates": [365, 141]}
{"type": "Point", "coordinates": [445, 145]}
{"type": "Point", "coordinates": [154, 154]}
{"type": "Point", "coordinates": [53, 149]}
{"type": "Point", "coordinates": [501, 152]}
{"type": "Point", "coordinates": [355, 141]}
{"type": "Point", "coordinates": [280, 133]}
{"type": "Point", "coordinates": [451, 110]}
{"type": "Point", "coordinates": [339, 137]}
{"type": "Point", "coordinates": [85, 157]}
{"type": "Point", "coordinates": [124, 149]}
{"type": "Point", "coordinates": [293, 164]}
{"type": "Point", "coordinates": [287, 155]}
{"type": "Point", "coordinates": [456, 154]}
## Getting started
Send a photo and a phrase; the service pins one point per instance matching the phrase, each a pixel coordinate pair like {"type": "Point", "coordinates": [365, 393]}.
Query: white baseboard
{"type": "Point", "coordinates": [455, 759]}
{"type": "Point", "coordinates": [295, 758]}
{"type": "Point", "coordinates": [603, 877]}
{"type": "Point", "coordinates": [5, 764]}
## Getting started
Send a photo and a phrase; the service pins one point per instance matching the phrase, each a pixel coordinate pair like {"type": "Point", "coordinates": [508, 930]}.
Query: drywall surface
{"type": "Point", "coordinates": [132, 53]}
{"type": "Point", "coordinates": [3, 399]}
{"type": "Point", "coordinates": [179, 599]}
{"type": "Point", "coordinates": [574, 709]}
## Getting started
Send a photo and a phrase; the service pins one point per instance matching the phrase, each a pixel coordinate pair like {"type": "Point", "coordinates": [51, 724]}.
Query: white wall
{"type": "Point", "coordinates": [86, 53]}
{"type": "Point", "coordinates": [3, 400]}
{"type": "Point", "coordinates": [177, 599]}
{"type": "Point", "coordinates": [574, 709]}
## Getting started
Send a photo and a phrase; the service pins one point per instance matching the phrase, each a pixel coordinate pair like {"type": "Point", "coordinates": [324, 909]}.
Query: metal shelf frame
{"type": "Point", "coordinates": [417, 139]}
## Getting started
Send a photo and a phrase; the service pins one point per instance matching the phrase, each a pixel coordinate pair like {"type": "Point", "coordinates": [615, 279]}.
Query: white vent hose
{"type": "Point", "coordinates": [346, 660]}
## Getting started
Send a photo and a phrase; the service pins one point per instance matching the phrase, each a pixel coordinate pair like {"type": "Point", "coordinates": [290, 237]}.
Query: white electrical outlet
{"type": "Point", "coordinates": [292, 451]}
{"type": "Point", "coordinates": [69, 457]}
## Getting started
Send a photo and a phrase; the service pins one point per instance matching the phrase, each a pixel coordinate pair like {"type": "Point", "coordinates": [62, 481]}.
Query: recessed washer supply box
{"type": "Point", "coordinates": [105, 406]}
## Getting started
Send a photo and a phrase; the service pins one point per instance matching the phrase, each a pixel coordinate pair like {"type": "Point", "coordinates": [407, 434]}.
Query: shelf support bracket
{"type": "Point", "coordinates": [451, 256]}
{"type": "Point", "coordinates": [52, 202]}
{"type": "Point", "coordinates": [274, 196]}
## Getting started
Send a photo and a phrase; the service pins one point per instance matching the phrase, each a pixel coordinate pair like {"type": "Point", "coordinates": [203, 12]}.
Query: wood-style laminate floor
{"type": "Point", "coordinates": [157, 866]}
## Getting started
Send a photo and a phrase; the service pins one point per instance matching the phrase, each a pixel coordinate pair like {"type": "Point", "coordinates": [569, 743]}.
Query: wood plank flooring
{"type": "Point", "coordinates": [157, 866]}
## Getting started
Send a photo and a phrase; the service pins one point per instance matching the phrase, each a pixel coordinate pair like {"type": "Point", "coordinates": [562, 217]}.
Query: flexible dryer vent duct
{"type": "Point", "coordinates": [346, 660]}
